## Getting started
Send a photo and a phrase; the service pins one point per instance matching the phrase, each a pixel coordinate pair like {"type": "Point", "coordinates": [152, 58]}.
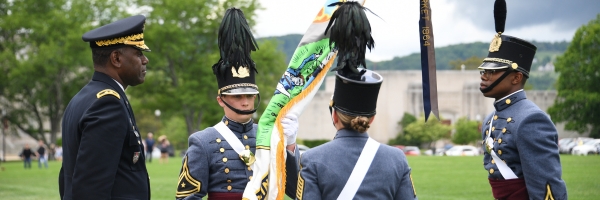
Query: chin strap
{"type": "Point", "coordinates": [489, 88]}
{"type": "Point", "coordinates": [242, 112]}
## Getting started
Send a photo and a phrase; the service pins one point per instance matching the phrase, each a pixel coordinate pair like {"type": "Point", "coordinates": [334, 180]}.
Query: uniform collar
{"type": "Point", "coordinates": [237, 127]}
{"type": "Point", "coordinates": [119, 84]}
{"type": "Point", "coordinates": [102, 77]}
{"type": "Point", "coordinates": [350, 133]}
{"type": "Point", "coordinates": [509, 100]}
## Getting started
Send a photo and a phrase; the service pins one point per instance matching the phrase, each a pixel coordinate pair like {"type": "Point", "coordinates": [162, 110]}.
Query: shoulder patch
{"type": "Point", "coordinates": [187, 185]}
{"type": "Point", "coordinates": [108, 92]}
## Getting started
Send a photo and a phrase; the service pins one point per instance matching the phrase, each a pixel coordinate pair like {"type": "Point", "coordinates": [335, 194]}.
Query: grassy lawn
{"type": "Point", "coordinates": [434, 178]}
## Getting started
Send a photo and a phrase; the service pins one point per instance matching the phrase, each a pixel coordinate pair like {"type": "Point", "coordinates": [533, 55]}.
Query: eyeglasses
{"type": "Point", "coordinates": [490, 72]}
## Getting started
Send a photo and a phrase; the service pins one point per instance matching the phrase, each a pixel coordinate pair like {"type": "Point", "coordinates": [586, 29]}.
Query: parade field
{"type": "Point", "coordinates": [440, 177]}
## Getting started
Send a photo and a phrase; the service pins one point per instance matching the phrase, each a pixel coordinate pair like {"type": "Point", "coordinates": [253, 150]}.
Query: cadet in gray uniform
{"type": "Point", "coordinates": [520, 141]}
{"type": "Point", "coordinates": [378, 171]}
{"type": "Point", "coordinates": [219, 158]}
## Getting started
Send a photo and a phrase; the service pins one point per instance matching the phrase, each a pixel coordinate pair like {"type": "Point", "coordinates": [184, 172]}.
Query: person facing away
{"type": "Point", "coordinates": [520, 141]}
{"type": "Point", "coordinates": [26, 156]}
{"type": "Point", "coordinates": [41, 154]}
{"type": "Point", "coordinates": [219, 158]}
{"type": "Point", "coordinates": [149, 146]}
{"type": "Point", "coordinates": [103, 156]}
{"type": "Point", "coordinates": [378, 171]}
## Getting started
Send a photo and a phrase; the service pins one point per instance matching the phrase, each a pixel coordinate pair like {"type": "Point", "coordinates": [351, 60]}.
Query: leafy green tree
{"type": "Point", "coordinates": [427, 132]}
{"type": "Point", "coordinates": [183, 37]}
{"type": "Point", "coordinates": [470, 63]}
{"type": "Point", "coordinates": [43, 59]}
{"type": "Point", "coordinates": [578, 100]}
{"type": "Point", "coordinates": [401, 138]}
{"type": "Point", "coordinates": [467, 131]}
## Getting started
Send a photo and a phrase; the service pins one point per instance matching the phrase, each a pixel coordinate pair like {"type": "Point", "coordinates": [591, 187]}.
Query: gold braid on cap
{"type": "Point", "coordinates": [130, 39]}
{"type": "Point", "coordinates": [238, 85]}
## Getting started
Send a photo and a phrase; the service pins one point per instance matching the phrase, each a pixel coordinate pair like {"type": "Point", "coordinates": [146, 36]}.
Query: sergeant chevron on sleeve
{"type": "Point", "coordinates": [218, 161]}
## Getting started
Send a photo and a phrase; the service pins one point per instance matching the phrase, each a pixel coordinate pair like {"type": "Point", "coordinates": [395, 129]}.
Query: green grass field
{"type": "Point", "coordinates": [434, 178]}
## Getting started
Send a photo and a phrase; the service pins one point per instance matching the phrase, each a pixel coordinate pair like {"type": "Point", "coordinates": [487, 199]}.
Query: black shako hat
{"type": "Point", "coordinates": [235, 70]}
{"type": "Point", "coordinates": [507, 52]}
{"type": "Point", "coordinates": [356, 89]}
{"type": "Point", "coordinates": [124, 32]}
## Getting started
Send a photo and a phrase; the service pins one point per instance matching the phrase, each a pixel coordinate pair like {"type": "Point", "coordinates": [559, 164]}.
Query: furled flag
{"type": "Point", "coordinates": [430, 99]}
{"type": "Point", "coordinates": [298, 85]}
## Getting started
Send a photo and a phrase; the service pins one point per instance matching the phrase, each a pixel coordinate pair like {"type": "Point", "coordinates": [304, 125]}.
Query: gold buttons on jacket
{"type": "Point", "coordinates": [229, 180]}
{"type": "Point", "coordinates": [229, 187]}
{"type": "Point", "coordinates": [222, 150]}
{"type": "Point", "coordinates": [487, 132]}
{"type": "Point", "coordinates": [245, 137]}
{"type": "Point", "coordinates": [508, 101]}
{"type": "Point", "coordinates": [247, 147]}
{"type": "Point", "coordinates": [218, 140]}
{"type": "Point", "coordinates": [224, 159]}
{"type": "Point", "coordinates": [499, 140]}
{"type": "Point", "coordinates": [226, 122]}
{"type": "Point", "coordinates": [495, 117]}
{"type": "Point", "coordinates": [509, 119]}
{"type": "Point", "coordinates": [493, 128]}
{"type": "Point", "coordinates": [499, 152]}
{"type": "Point", "coordinates": [226, 170]}
{"type": "Point", "coordinates": [491, 171]}
{"type": "Point", "coordinates": [503, 130]}
{"type": "Point", "coordinates": [249, 169]}
{"type": "Point", "coordinates": [493, 162]}
{"type": "Point", "coordinates": [250, 178]}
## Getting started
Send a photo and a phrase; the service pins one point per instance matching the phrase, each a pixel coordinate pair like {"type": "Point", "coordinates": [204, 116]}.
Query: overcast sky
{"type": "Point", "coordinates": [454, 21]}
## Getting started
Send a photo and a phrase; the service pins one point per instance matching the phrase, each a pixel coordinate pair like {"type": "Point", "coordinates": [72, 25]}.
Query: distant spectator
{"type": "Point", "coordinates": [51, 152]}
{"type": "Point", "coordinates": [164, 149]}
{"type": "Point", "coordinates": [26, 156]}
{"type": "Point", "coordinates": [59, 153]}
{"type": "Point", "coordinates": [149, 146]}
{"type": "Point", "coordinates": [41, 154]}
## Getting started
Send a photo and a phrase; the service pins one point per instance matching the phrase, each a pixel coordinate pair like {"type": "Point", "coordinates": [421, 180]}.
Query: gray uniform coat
{"type": "Point", "coordinates": [527, 140]}
{"type": "Point", "coordinates": [325, 169]}
{"type": "Point", "coordinates": [211, 165]}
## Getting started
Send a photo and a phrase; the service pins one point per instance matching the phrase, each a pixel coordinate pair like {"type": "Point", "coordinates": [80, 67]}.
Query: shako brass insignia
{"type": "Point", "coordinates": [242, 72]}
{"type": "Point", "coordinates": [108, 92]}
{"type": "Point", "coordinates": [496, 42]}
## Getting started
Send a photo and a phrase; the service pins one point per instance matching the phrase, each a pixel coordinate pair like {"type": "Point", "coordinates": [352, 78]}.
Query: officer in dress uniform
{"type": "Point", "coordinates": [378, 171]}
{"type": "Point", "coordinates": [103, 154]}
{"type": "Point", "coordinates": [219, 158]}
{"type": "Point", "coordinates": [520, 141]}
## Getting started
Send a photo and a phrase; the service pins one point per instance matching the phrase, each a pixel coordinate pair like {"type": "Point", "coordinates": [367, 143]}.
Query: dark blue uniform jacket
{"type": "Point", "coordinates": [102, 150]}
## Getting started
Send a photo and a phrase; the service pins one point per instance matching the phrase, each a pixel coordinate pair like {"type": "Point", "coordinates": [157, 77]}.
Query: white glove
{"type": "Point", "coordinates": [290, 128]}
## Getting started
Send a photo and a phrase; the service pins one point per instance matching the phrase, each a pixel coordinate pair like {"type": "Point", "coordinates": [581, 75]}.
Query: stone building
{"type": "Point", "coordinates": [458, 96]}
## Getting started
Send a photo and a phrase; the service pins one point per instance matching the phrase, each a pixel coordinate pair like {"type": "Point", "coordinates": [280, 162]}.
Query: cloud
{"type": "Point", "coordinates": [561, 14]}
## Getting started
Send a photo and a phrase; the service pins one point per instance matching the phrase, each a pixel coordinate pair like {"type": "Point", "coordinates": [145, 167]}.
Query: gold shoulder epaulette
{"type": "Point", "coordinates": [108, 92]}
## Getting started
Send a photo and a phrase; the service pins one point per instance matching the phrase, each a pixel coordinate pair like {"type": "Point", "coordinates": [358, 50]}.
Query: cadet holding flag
{"type": "Point", "coordinates": [353, 165]}
{"type": "Point", "coordinates": [218, 162]}
{"type": "Point", "coordinates": [520, 141]}
{"type": "Point", "coordinates": [103, 154]}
